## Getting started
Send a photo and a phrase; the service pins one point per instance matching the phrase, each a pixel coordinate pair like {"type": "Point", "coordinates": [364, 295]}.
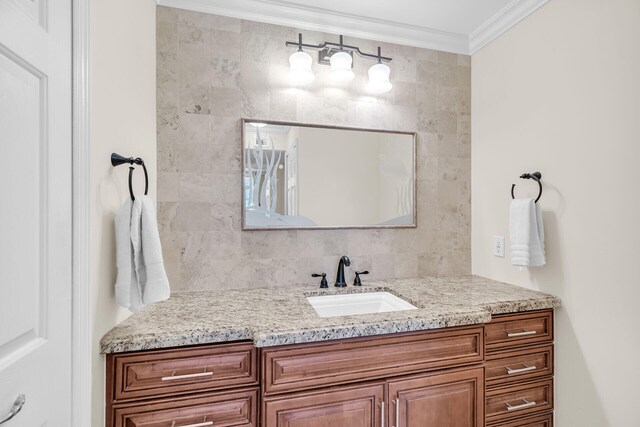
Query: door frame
{"type": "Point", "coordinates": [81, 381]}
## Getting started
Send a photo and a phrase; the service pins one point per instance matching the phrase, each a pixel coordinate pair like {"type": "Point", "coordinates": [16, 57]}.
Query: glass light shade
{"type": "Point", "coordinates": [341, 67]}
{"type": "Point", "coordinates": [379, 79]}
{"type": "Point", "coordinates": [300, 68]}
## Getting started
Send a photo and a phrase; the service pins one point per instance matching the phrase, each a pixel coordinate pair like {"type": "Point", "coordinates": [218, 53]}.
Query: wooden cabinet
{"type": "Point", "coordinates": [513, 330]}
{"type": "Point", "coordinates": [450, 399]}
{"type": "Point", "coordinates": [519, 370]}
{"type": "Point", "coordinates": [499, 375]}
{"type": "Point", "coordinates": [173, 387]}
{"type": "Point", "coordinates": [237, 408]}
{"type": "Point", "coordinates": [169, 372]}
{"type": "Point", "coordinates": [308, 366]}
{"type": "Point", "coordinates": [511, 366]}
{"type": "Point", "coordinates": [361, 406]}
{"type": "Point", "coordinates": [520, 399]}
{"type": "Point", "coordinates": [544, 420]}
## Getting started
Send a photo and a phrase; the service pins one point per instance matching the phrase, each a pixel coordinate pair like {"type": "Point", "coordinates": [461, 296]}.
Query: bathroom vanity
{"type": "Point", "coordinates": [474, 352]}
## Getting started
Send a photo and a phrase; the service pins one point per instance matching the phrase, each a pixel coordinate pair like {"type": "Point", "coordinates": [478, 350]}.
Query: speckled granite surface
{"type": "Point", "coordinates": [277, 316]}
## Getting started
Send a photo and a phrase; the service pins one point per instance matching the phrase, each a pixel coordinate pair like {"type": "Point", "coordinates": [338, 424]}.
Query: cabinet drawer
{"type": "Point", "coordinates": [324, 364]}
{"type": "Point", "coordinates": [513, 330]}
{"type": "Point", "coordinates": [238, 408]}
{"type": "Point", "coordinates": [545, 420]}
{"type": "Point", "coordinates": [515, 365]}
{"type": "Point", "coordinates": [519, 400]}
{"type": "Point", "coordinates": [340, 407]}
{"type": "Point", "coordinates": [174, 371]}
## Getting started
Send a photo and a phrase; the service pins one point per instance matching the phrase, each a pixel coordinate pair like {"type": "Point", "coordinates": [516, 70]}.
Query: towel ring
{"type": "Point", "coordinates": [117, 160]}
{"type": "Point", "coordinates": [536, 176]}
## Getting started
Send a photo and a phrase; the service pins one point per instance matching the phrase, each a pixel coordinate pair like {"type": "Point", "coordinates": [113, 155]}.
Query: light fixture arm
{"type": "Point", "coordinates": [341, 46]}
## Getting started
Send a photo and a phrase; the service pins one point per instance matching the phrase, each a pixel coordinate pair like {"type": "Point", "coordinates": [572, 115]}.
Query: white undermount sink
{"type": "Point", "coordinates": [360, 303]}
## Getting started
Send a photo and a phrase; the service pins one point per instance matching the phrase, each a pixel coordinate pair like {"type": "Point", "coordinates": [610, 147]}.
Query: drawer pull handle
{"type": "Point", "coordinates": [382, 413]}
{"type": "Point", "coordinates": [524, 405]}
{"type": "Point", "coordinates": [208, 423]}
{"type": "Point", "coordinates": [186, 376]}
{"type": "Point", "coordinates": [397, 413]}
{"type": "Point", "coordinates": [526, 368]}
{"type": "Point", "coordinates": [520, 334]}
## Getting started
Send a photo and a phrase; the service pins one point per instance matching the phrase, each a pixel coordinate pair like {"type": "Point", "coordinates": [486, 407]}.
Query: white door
{"type": "Point", "coordinates": [35, 211]}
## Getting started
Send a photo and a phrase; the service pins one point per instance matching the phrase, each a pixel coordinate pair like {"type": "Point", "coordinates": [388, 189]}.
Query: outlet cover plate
{"type": "Point", "coordinates": [498, 246]}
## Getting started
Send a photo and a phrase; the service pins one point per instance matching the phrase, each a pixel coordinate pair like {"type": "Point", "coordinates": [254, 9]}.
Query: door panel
{"type": "Point", "coordinates": [35, 219]}
{"type": "Point", "coordinates": [450, 399]}
{"type": "Point", "coordinates": [22, 222]}
{"type": "Point", "coordinates": [341, 407]}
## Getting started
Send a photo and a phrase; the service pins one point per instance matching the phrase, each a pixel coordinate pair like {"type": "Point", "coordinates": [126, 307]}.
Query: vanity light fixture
{"type": "Point", "coordinates": [300, 66]}
{"type": "Point", "coordinates": [379, 78]}
{"type": "Point", "coordinates": [340, 57]}
{"type": "Point", "coordinates": [341, 63]}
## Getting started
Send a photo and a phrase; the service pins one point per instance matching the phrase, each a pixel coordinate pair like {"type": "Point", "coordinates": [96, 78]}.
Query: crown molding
{"type": "Point", "coordinates": [501, 22]}
{"type": "Point", "coordinates": [317, 19]}
{"type": "Point", "coordinates": [282, 12]}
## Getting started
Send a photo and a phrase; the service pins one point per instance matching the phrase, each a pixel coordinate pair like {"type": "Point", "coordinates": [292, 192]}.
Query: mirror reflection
{"type": "Point", "coordinates": [302, 176]}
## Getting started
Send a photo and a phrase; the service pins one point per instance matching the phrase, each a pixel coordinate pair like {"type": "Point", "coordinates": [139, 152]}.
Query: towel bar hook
{"type": "Point", "coordinates": [117, 160]}
{"type": "Point", "coordinates": [536, 176]}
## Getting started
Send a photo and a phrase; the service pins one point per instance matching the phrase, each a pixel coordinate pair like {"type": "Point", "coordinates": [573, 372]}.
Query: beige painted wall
{"type": "Point", "coordinates": [213, 70]}
{"type": "Point", "coordinates": [560, 93]}
{"type": "Point", "coordinates": [123, 93]}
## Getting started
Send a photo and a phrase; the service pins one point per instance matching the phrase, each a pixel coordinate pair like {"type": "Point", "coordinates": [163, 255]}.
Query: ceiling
{"type": "Point", "coordinates": [460, 26]}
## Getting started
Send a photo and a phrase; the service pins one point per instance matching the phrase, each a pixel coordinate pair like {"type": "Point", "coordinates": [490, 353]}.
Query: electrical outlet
{"type": "Point", "coordinates": [498, 246]}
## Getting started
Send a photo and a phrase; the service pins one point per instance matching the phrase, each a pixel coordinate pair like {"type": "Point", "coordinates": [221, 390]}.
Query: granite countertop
{"type": "Point", "coordinates": [278, 316]}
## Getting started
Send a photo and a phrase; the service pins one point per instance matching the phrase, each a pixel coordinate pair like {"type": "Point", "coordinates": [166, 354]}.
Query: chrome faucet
{"type": "Point", "coordinates": [340, 282]}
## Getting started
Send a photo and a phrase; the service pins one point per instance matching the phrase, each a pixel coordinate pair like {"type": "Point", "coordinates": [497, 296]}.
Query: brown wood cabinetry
{"type": "Point", "coordinates": [519, 370]}
{"type": "Point", "coordinates": [512, 330]}
{"type": "Point", "coordinates": [169, 372]}
{"type": "Point", "coordinates": [308, 366]}
{"type": "Point", "coordinates": [360, 406]}
{"type": "Point", "coordinates": [521, 364]}
{"type": "Point", "coordinates": [499, 374]}
{"type": "Point", "coordinates": [235, 408]}
{"type": "Point", "coordinates": [453, 398]}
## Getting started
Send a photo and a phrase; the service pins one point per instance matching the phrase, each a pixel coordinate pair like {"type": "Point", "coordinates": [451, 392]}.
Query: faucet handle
{"type": "Point", "coordinates": [323, 282]}
{"type": "Point", "coordinates": [357, 281]}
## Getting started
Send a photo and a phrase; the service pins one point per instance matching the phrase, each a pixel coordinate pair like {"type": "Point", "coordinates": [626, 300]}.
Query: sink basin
{"type": "Point", "coordinates": [360, 303]}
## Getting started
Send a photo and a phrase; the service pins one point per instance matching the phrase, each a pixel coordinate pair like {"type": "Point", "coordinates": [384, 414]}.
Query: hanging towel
{"type": "Point", "coordinates": [141, 278]}
{"type": "Point", "coordinates": [526, 233]}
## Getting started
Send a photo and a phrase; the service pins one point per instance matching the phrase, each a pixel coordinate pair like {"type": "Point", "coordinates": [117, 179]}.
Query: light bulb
{"type": "Point", "coordinates": [300, 68]}
{"type": "Point", "coordinates": [379, 79]}
{"type": "Point", "coordinates": [258, 125]}
{"type": "Point", "coordinates": [341, 67]}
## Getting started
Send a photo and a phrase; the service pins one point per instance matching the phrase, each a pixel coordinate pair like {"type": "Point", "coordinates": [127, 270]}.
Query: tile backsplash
{"type": "Point", "coordinates": [213, 70]}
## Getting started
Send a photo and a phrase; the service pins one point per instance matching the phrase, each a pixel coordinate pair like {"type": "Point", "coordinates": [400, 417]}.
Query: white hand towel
{"type": "Point", "coordinates": [141, 276]}
{"type": "Point", "coordinates": [526, 233]}
{"type": "Point", "coordinates": [126, 280]}
{"type": "Point", "coordinates": [155, 286]}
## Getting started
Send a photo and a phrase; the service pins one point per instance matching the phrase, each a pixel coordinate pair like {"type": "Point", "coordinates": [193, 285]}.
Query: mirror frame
{"type": "Point", "coordinates": [245, 227]}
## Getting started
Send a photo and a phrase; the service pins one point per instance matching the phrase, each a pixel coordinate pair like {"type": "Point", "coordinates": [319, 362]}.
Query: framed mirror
{"type": "Point", "coordinates": [300, 176]}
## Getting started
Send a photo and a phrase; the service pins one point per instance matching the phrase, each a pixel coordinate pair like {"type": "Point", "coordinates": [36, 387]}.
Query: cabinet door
{"type": "Point", "coordinates": [447, 399]}
{"type": "Point", "coordinates": [359, 406]}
